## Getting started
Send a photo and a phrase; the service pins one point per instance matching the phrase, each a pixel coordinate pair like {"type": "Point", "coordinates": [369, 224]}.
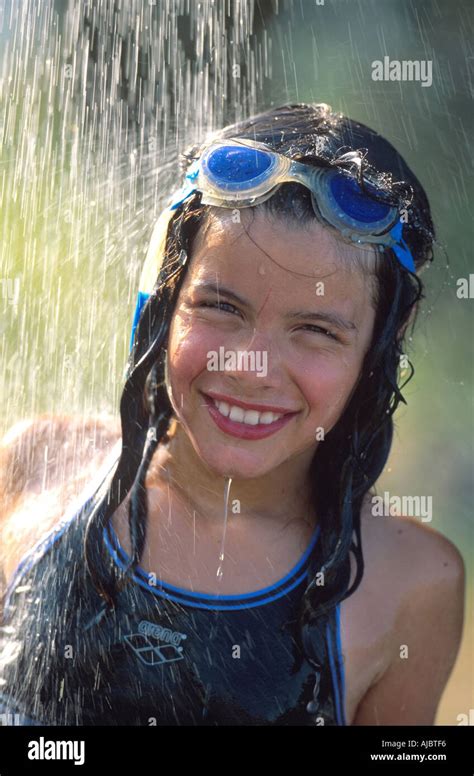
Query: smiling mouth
{"type": "Point", "coordinates": [245, 423]}
{"type": "Point", "coordinates": [249, 417]}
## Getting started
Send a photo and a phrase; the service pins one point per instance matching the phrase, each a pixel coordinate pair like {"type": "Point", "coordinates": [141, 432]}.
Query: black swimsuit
{"type": "Point", "coordinates": [164, 656]}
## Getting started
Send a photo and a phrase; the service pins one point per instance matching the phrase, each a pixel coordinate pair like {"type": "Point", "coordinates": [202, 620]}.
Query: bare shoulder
{"type": "Point", "coordinates": [44, 464]}
{"type": "Point", "coordinates": [412, 552]}
{"type": "Point", "coordinates": [416, 580]}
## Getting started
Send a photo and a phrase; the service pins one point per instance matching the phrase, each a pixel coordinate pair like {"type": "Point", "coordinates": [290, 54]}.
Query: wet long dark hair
{"type": "Point", "coordinates": [353, 454]}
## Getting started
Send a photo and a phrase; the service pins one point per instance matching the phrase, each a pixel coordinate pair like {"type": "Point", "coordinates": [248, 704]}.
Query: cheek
{"type": "Point", "coordinates": [327, 386]}
{"type": "Point", "coordinates": [188, 347]}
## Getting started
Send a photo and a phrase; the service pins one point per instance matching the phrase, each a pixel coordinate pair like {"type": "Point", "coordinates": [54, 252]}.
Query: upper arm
{"type": "Point", "coordinates": [44, 463]}
{"type": "Point", "coordinates": [426, 639]}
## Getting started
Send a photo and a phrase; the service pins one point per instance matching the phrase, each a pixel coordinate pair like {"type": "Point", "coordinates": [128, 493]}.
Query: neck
{"type": "Point", "coordinates": [279, 496]}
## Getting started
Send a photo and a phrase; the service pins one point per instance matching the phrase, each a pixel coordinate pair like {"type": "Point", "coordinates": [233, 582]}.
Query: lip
{"type": "Point", "coordinates": [242, 430]}
{"type": "Point", "coordinates": [246, 406]}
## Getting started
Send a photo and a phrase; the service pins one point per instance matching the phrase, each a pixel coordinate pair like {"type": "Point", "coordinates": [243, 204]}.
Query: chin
{"type": "Point", "coordinates": [228, 460]}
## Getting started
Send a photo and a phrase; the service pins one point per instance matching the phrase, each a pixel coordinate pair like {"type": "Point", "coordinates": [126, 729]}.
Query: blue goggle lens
{"type": "Point", "coordinates": [229, 165]}
{"type": "Point", "coordinates": [354, 202]}
{"type": "Point", "coordinates": [232, 168]}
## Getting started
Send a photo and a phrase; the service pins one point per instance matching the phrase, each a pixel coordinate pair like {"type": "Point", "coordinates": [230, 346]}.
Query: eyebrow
{"type": "Point", "coordinates": [332, 318]}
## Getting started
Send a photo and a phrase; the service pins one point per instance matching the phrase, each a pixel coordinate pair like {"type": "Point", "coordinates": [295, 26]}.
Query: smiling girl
{"type": "Point", "coordinates": [227, 567]}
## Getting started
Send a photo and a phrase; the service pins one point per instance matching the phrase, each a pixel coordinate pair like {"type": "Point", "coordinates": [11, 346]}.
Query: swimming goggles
{"type": "Point", "coordinates": [241, 173]}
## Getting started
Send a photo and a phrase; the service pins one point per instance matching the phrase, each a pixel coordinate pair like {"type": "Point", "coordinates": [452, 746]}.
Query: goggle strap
{"type": "Point", "coordinates": [181, 196]}
{"type": "Point", "coordinates": [188, 188]}
{"type": "Point", "coordinates": [141, 301]}
{"type": "Point", "coordinates": [401, 249]}
{"type": "Point", "coordinates": [404, 256]}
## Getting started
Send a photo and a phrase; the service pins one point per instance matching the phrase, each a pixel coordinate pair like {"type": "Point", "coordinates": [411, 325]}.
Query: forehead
{"type": "Point", "coordinates": [260, 250]}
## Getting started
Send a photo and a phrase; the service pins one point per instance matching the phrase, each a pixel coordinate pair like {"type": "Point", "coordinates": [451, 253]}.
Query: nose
{"type": "Point", "coordinates": [257, 366]}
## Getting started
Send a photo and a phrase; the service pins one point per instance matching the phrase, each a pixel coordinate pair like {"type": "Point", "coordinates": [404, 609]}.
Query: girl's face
{"type": "Point", "coordinates": [271, 317]}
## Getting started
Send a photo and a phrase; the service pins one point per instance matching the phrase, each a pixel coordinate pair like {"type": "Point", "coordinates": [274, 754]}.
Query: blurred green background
{"type": "Point", "coordinates": [98, 98]}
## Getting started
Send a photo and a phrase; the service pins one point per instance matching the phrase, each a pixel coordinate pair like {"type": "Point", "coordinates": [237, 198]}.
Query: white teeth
{"type": "Point", "coordinates": [223, 408]}
{"type": "Point", "coordinates": [250, 417]}
{"type": "Point", "coordinates": [236, 413]}
{"type": "Point", "coordinates": [268, 417]}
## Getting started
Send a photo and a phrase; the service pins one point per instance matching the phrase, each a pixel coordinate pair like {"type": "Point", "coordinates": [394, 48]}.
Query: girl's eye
{"type": "Point", "coordinates": [217, 305]}
{"type": "Point", "coordinates": [309, 326]}
{"type": "Point", "coordinates": [320, 330]}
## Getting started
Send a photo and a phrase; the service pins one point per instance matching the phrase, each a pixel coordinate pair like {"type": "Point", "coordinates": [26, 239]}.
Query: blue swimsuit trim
{"type": "Point", "coordinates": [38, 551]}
{"type": "Point", "coordinates": [193, 598]}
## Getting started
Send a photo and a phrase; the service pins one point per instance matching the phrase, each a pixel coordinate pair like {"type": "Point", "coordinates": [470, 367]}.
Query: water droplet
{"type": "Point", "coordinates": [220, 570]}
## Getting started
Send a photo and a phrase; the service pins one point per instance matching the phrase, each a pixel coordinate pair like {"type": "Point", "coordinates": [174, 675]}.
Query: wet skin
{"type": "Point", "coordinates": [414, 576]}
{"type": "Point", "coordinates": [266, 276]}
{"type": "Point", "coordinates": [313, 362]}
{"type": "Point", "coordinates": [313, 368]}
